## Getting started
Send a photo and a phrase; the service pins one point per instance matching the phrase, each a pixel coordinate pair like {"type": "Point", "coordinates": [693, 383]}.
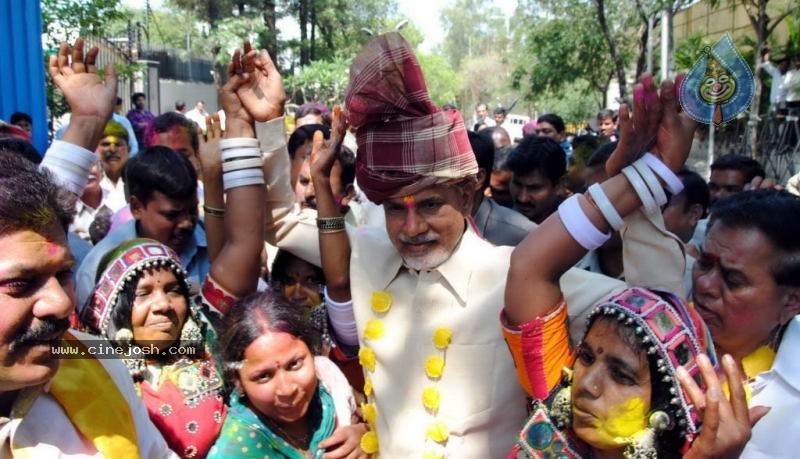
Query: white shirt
{"type": "Point", "coordinates": [778, 433]}
{"type": "Point", "coordinates": [113, 193]}
{"type": "Point", "coordinates": [198, 117]}
{"type": "Point", "coordinates": [777, 93]}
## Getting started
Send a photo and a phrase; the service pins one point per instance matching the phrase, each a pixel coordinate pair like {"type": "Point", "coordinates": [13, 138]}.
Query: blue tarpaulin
{"type": "Point", "coordinates": [22, 84]}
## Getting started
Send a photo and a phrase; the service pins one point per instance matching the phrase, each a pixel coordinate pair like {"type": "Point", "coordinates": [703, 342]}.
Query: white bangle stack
{"type": "Point", "coordinates": [241, 163]}
{"type": "Point", "coordinates": [643, 176]}
{"type": "Point", "coordinates": [69, 164]}
{"type": "Point", "coordinates": [342, 320]}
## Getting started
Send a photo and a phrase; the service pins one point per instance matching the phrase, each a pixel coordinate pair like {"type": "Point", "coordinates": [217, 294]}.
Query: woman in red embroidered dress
{"type": "Point", "coordinates": [142, 302]}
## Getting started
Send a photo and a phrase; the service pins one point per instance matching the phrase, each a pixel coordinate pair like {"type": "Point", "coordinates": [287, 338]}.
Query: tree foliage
{"type": "Point", "coordinates": [474, 28]}
{"type": "Point", "coordinates": [65, 21]}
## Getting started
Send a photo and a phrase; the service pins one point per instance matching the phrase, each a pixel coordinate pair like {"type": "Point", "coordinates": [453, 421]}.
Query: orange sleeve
{"type": "Point", "coordinates": [541, 348]}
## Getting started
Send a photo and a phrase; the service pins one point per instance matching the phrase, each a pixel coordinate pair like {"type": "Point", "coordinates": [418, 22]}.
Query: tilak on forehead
{"type": "Point", "coordinates": [405, 143]}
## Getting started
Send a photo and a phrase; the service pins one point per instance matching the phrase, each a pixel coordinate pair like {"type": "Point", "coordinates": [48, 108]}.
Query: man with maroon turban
{"type": "Point", "coordinates": [426, 289]}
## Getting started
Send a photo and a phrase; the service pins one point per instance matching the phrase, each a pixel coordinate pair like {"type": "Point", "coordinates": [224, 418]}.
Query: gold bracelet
{"type": "Point", "coordinates": [331, 231]}
{"type": "Point", "coordinates": [213, 211]}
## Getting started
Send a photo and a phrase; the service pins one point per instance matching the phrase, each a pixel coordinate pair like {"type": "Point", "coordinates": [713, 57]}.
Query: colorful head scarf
{"type": "Point", "coordinates": [120, 266]}
{"type": "Point", "coordinates": [674, 335]}
{"type": "Point", "coordinates": [405, 143]}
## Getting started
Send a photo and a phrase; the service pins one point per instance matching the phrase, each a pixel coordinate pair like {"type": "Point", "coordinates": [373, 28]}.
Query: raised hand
{"type": "Point", "coordinates": [91, 99]}
{"type": "Point", "coordinates": [726, 423]}
{"type": "Point", "coordinates": [238, 120]}
{"type": "Point", "coordinates": [676, 130]}
{"type": "Point", "coordinates": [261, 93]}
{"type": "Point", "coordinates": [208, 153]}
{"type": "Point", "coordinates": [637, 132]}
{"type": "Point", "coordinates": [324, 154]}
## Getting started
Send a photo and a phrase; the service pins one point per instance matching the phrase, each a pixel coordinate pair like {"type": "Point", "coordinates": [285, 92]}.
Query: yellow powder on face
{"type": "Point", "coordinates": [112, 139]}
{"type": "Point", "coordinates": [624, 422]}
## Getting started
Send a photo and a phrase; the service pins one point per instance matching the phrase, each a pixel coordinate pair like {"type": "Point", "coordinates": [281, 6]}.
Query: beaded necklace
{"type": "Point", "coordinates": [437, 432]}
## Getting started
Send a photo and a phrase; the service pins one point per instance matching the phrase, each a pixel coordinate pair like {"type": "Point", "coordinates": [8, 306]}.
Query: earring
{"type": "Point", "coordinates": [644, 447]}
{"type": "Point", "coordinates": [123, 336]}
{"type": "Point", "coordinates": [660, 421]}
{"type": "Point", "coordinates": [561, 409]}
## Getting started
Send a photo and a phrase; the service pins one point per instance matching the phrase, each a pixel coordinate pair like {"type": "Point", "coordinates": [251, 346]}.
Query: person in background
{"type": "Point", "coordinates": [499, 115]}
{"type": "Point", "coordinates": [312, 113]}
{"type": "Point", "coordinates": [607, 124]}
{"type": "Point", "coordinates": [180, 107]}
{"type": "Point", "coordinates": [139, 116]}
{"type": "Point", "coordinates": [23, 120]}
{"type": "Point", "coordinates": [539, 166]}
{"type": "Point", "coordinates": [498, 224]}
{"type": "Point", "coordinates": [552, 126]}
{"type": "Point", "coordinates": [482, 119]}
{"type": "Point", "coordinates": [113, 153]}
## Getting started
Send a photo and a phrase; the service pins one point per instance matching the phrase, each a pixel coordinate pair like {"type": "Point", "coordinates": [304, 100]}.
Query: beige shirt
{"type": "Point", "coordinates": [482, 404]}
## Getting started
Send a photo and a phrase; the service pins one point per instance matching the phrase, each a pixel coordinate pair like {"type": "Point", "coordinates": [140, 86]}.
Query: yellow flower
{"type": "Point", "coordinates": [368, 410]}
{"type": "Point", "coordinates": [367, 386]}
{"type": "Point", "coordinates": [434, 367]}
{"type": "Point", "coordinates": [374, 330]}
{"type": "Point", "coordinates": [441, 337]}
{"type": "Point", "coordinates": [369, 442]}
{"type": "Point", "coordinates": [431, 398]}
{"type": "Point", "coordinates": [381, 301]}
{"type": "Point", "coordinates": [366, 357]}
{"type": "Point", "coordinates": [438, 432]}
{"type": "Point", "coordinates": [432, 455]}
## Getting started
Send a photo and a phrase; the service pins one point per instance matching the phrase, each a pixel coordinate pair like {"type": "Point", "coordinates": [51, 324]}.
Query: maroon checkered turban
{"type": "Point", "coordinates": [405, 143]}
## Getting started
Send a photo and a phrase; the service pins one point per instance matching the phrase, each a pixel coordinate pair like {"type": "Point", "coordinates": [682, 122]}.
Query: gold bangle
{"type": "Point", "coordinates": [213, 211]}
{"type": "Point", "coordinates": [331, 231]}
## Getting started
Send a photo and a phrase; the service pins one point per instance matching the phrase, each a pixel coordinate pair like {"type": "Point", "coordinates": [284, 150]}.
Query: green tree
{"type": "Point", "coordinates": [66, 20]}
{"type": "Point", "coordinates": [444, 84]}
{"type": "Point", "coordinates": [764, 17]}
{"type": "Point", "coordinates": [474, 28]}
{"type": "Point", "coordinates": [320, 81]}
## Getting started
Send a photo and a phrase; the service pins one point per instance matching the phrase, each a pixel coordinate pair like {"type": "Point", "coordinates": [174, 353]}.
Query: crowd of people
{"type": "Point", "coordinates": [434, 290]}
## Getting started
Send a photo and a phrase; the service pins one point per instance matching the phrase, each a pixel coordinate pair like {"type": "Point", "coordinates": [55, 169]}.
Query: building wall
{"type": "Point", "coordinates": [730, 16]}
{"type": "Point", "coordinates": [172, 90]}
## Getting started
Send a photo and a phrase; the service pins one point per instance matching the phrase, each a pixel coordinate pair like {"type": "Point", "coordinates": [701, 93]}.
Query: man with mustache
{"type": "Point", "coordinates": [113, 151]}
{"type": "Point", "coordinates": [53, 407]}
{"type": "Point", "coordinates": [746, 287]}
{"type": "Point", "coordinates": [162, 187]}
{"type": "Point", "coordinates": [426, 288]}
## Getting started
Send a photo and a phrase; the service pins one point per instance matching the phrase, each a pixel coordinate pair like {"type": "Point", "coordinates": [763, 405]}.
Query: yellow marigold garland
{"type": "Point", "coordinates": [366, 357]}
{"type": "Point", "coordinates": [434, 367]}
{"type": "Point", "coordinates": [369, 442]}
{"type": "Point", "coordinates": [437, 431]}
{"type": "Point", "coordinates": [431, 397]}
{"type": "Point", "coordinates": [374, 330]}
{"type": "Point", "coordinates": [381, 301]}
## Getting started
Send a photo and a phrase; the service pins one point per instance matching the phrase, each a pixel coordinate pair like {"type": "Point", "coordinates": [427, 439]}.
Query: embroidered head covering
{"type": "Point", "coordinates": [123, 264]}
{"type": "Point", "coordinates": [673, 334]}
{"type": "Point", "coordinates": [405, 143]}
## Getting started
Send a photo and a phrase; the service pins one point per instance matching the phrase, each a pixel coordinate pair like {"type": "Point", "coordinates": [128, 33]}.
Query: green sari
{"type": "Point", "coordinates": [245, 435]}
